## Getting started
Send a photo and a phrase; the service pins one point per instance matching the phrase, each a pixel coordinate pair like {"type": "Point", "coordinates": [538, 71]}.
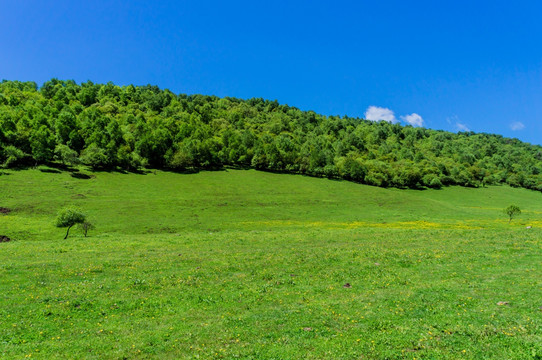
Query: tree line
{"type": "Point", "coordinates": [106, 126]}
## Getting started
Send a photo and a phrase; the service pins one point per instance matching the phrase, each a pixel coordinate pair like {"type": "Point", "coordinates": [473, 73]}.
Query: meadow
{"type": "Point", "coordinates": [241, 264]}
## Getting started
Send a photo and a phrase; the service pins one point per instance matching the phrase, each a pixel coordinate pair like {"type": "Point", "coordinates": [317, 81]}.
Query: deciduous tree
{"type": "Point", "coordinates": [69, 217]}
{"type": "Point", "coordinates": [511, 211]}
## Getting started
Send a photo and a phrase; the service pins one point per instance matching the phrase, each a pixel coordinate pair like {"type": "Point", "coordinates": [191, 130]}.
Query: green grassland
{"type": "Point", "coordinates": [251, 265]}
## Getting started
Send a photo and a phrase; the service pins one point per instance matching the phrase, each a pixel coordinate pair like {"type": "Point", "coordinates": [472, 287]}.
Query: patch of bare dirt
{"type": "Point", "coordinates": [4, 210]}
{"type": "Point", "coordinates": [4, 238]}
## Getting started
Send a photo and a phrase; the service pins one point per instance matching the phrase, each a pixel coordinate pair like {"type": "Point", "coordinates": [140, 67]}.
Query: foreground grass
{"type": "Point", "coordinates": [242, 264]}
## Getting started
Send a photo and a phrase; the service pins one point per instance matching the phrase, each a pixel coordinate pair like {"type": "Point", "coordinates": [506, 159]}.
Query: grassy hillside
{"type": "Point", "coordinates": [247, 264]}
{"type": "Point", "coordinates": [111, 127]}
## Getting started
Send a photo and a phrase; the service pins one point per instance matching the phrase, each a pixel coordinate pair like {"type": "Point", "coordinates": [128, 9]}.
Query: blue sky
{"type": "Point", "coordinates": [453, 65]}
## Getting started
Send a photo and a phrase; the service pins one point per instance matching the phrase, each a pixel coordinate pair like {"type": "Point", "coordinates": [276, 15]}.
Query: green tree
{"type": "Point", "coordinates": [66, 155]}
{"type": "Point", "coordinates": [42, 144]}
{"type": "Point", "coordinates": [95, 157]}
{"type": "Point", "coordinates": [352, 169]}
{"type": "Point", "coordinates": [182, 158]}
{"type": "Point", "coordinates": [511, 211]}
{"type": "Point", "coordinates": [13, 156]}
{"type": "Point", "coordinates": [69, 217]}
{"type": "Point", "coordinates": [64, 125]}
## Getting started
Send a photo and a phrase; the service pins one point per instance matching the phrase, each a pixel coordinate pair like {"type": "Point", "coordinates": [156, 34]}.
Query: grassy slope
{"type": "Point", "coordinates": [245, 264]}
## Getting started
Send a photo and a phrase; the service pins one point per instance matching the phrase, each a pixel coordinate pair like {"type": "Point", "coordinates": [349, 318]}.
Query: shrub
{"type": "Point", "coordinates": [13, 155]}
{"type": "Point", "coordinates": [66, 155]}
{"type": "Point", "coordinates": [86, 226]}
{"type": "Point", "coordinates": [95, 157]}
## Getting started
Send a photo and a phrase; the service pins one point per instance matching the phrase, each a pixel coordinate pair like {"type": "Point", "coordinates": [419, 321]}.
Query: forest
{"type": "Point", "coordinates": [110, 127]}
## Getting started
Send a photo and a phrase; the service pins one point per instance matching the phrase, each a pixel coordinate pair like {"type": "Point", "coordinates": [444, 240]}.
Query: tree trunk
{"type": "Point", "coordinates": [67, 232]}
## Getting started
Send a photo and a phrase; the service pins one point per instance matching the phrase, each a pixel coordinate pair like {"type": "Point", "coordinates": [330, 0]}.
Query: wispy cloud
{"type": "Point", "coordinates": [413, 119]}
{"type": "Point", "coordinates": [452, 119]}
{"type": "Point", "coordinates": [517, 125]}
{"type": "Point", "coordinates": [375, 113]}
{"type": "Point", "coordinates": [461, 127]}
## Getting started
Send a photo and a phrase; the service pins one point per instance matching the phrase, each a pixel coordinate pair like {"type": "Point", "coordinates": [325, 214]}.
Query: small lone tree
{"type": "Point", "coordinates": [69, 217]}
{"type": "Point", "coordinates": [86, 226]}
{"type": "Point", "coordinates": [512, 211]}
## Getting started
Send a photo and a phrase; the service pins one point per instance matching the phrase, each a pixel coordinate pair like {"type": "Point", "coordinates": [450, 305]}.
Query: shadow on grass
{"type": "Point", "coordinates": [121, 171]}
{"type": "Point", "coordinates": [75, 173]}
{"type": "Point", "coordinates": [51, 171]}
{"type": "Point", "coordinates": [194, 170]}
{"type": "Point", "coordinates": [82, 176]}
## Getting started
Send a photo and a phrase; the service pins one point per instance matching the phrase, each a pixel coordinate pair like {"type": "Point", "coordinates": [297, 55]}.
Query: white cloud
{"type": "Point", "coordinates": [451, 119]}
{"type": "Point", "coordinates": [517, 125]}
{"type": "Point", "coordinates": [454, 119]}
{"type": "Point", "coordinates": [375, 113]}
{"type": "Point", "coordinates": [413, 119]}
{"type": "Point", "coordinates": [461, 127]}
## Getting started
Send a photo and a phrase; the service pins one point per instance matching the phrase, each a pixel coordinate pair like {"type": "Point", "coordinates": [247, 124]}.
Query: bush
{"type": "Point", "coordinates": [66, 155]}
{"type": "Point", "coordinates": [432, 181]}
{"type": "Point", "coordinates": [14, 156]}
{"type": "Point", "coordinates": [86, 226]}
{"type": "Point", "coordinates": [435, 183]}
{"type": "Point", "coordinates": [376, 179]}
{"type": "Point", "coordinates": [95, 157]}
{"type": "Point", "coordinates": [182, 159]}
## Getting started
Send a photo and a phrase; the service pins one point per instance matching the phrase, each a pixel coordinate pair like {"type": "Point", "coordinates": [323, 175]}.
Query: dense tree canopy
{"type": "Point", "coordinates": [107, 126]}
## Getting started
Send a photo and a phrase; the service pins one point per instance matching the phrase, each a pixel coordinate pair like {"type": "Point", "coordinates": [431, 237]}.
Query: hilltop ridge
{"type": "Point", "coordinates": [106, 126]}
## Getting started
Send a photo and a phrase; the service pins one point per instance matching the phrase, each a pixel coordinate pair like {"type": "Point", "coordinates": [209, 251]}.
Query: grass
{"type": "Point", "coordinates": [251, 265]}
